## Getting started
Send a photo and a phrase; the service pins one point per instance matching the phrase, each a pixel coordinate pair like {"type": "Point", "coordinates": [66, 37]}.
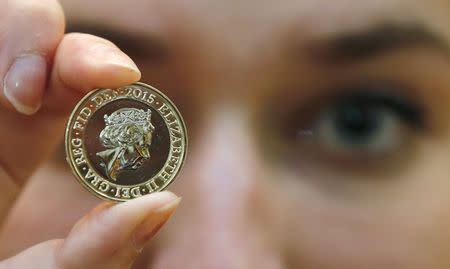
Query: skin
{"type": "Point", "coordinates": [251, 198]}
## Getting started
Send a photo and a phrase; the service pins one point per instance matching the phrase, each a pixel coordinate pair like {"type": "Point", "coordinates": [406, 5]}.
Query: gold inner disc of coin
{"type": "Point", "coordinates": [126, 142]}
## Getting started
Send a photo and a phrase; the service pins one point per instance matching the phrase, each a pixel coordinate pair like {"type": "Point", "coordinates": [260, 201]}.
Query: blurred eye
{"type": "Point", "coordinates": [357, 128]}
{"type": "Point", "coordinates": [362, 121]}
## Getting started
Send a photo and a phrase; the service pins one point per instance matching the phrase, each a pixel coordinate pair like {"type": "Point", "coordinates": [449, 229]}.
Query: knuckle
{"type": "Point", "coordinates": [46, 11]}
{"type": "Point", "coordinates": [41, 21]}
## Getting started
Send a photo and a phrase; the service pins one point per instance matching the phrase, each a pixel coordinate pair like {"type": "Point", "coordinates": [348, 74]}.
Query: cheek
{"type": "Point", "coordinates": [333, 237]}
{"type": "Point", "coordinates": [405, 225]}
{"type": "Point", "coordinates": [323, 235]}
{"type": "Point", "coordinates": [148, 138]}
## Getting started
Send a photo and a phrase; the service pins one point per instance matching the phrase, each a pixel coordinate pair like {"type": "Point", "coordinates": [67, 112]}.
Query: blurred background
{"type": "Point", "coordinates": [318, 132]}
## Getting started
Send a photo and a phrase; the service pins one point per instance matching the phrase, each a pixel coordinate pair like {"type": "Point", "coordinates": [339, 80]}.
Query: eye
{"type": "Point", "coordinates": [357, 127]}
{"type": "Point", "coordinates": [371, 121]}
{"type": "Point", "coordinates": [362, 121]}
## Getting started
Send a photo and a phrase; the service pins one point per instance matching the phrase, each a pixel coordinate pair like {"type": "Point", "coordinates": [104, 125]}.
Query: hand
{"type": "Point", "coordinates": [44, 73]}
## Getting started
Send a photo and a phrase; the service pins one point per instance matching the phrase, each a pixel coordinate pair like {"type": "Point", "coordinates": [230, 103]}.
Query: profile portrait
{"type": "Point", "coordinates": [127, 137]}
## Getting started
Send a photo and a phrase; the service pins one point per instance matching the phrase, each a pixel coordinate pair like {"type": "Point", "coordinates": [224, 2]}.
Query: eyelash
{"type": "Point", "coordinates": [389, 95]}
{"type": "Point", "coordinates": [296, 128]}
{"type": "Point", "coordinates": [379, 95]}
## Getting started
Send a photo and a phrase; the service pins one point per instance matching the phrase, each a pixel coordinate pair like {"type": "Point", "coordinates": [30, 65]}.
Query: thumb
{"type": "Point", "coordinates": [111, 236]}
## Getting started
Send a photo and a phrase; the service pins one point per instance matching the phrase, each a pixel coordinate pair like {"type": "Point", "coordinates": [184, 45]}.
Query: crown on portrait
{"type": "Point", "coordinates": [128, 115]}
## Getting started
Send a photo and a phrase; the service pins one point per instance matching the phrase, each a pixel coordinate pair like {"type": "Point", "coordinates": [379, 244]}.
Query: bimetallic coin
{"type": "Point", "coordinates": [127, 142]}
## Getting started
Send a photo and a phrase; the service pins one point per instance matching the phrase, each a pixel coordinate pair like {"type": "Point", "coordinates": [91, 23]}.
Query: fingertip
{"type": "Point", "coordinates": [30, 33]}
{"type": "Point", "coordinates": [85, 62]}
{"type": "Point", "coordinates": [152, 224]}
{"type": "Point", "coordinates": [116, 233]}
{"type": "Point", "coordinates": [152, 201]}
{"type": "Point", "coordinates": [25, 83]}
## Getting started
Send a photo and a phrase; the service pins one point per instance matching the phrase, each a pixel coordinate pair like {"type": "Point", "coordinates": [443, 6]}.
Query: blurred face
{"type": "Point", "coordinates": [319, 130]}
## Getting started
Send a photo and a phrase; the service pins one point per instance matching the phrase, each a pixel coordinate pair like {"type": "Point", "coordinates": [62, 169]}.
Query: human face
{"type": "Point", "coordinates": [319, 130]}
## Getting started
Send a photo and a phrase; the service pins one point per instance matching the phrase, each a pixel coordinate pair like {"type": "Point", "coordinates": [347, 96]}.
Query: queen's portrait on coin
{"type": "Point", "coordinates": [127, 137]}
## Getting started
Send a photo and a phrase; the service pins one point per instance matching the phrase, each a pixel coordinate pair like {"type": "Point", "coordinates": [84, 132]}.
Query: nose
{"type": "Point", "coordinates": [222, 222]}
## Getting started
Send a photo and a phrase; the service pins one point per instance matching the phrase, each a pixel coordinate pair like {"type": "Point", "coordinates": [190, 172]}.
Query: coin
{"type": "Point", "coordinates": [126, 142]}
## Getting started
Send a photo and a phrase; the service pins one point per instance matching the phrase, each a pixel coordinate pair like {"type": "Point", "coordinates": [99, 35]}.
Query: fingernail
{"type": "Point", "coordinates": [114, 56]}
{"type": "Point", "coordinates": [151, 225]}
{"type": "Point", "coordinates": [24, 83]}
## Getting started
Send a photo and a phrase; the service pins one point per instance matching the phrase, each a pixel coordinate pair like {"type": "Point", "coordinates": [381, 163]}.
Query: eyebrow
{"type": "Point", "coordinates": [381, 39]}
{"type": "Point", "coordinates": [137, 45]}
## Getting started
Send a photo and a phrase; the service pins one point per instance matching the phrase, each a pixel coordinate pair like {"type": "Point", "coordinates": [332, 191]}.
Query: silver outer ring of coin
{"type": "Point", "coordinates": [101, 183]}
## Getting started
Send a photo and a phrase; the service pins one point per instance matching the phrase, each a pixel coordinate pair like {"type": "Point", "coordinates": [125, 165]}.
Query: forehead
{"type": "Point", "coordinates": [236, 43]}
{"type": "Point", "coordinates": [255, 16]}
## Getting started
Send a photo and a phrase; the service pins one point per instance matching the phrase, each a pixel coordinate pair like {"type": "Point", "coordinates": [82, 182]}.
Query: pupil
{"type": "Point", "coordinates": [356, 124]}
